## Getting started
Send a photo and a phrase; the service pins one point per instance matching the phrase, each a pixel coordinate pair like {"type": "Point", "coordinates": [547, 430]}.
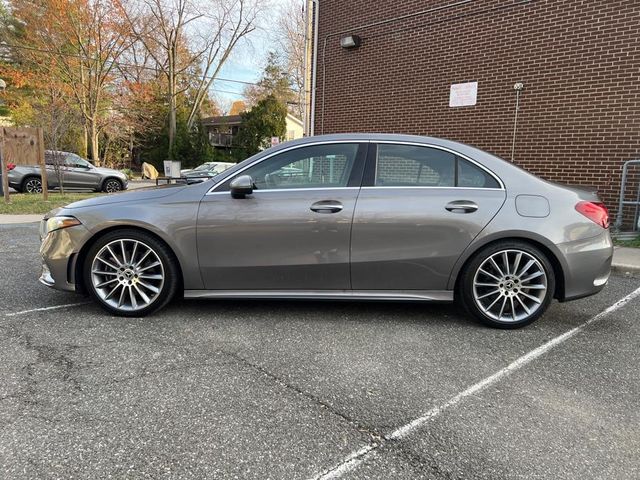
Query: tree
{"type": "Point", "coordinates": [237, 107]}
{"type": "Point", "coordinates": [274, 82]}
{"type": "Point", "coordinates": [268, 118]}
{"type": "Point", "coordinates": [290, 36]}
{"type": "Point", "coordinates": [79, 43]}
{"type": "Point", "coordinates": [185, 39]}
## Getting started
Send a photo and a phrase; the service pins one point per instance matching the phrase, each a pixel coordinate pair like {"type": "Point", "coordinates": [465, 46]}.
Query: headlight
{"type": "Point", "coordinates": [56, 223]}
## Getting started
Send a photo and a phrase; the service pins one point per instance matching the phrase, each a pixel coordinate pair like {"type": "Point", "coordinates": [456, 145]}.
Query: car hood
{"type": "Point", "coordinates": [107, 171]}
{"type": "Point", "coordinates": [142, 194]}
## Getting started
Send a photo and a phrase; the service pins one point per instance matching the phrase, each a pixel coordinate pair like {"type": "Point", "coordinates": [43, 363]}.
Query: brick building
{"type": "Point", "coordinates": [579, 62]}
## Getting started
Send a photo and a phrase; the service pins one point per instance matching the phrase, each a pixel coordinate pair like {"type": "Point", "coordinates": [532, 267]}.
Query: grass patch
{"type": "Point", "coordinates": [635, 243]}
{"type": "Point", "coordinates": [28, 203]}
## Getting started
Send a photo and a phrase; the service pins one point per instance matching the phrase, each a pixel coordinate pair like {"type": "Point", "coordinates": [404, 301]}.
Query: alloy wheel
{"type": "Point", "coordinates": [112, 186]}
{"type": "Point", "coordinates": [510, 286]}
{"type": "Point", "coordinates": [127, 274]}
{"type": "Point", "coordinates": [33, 185]}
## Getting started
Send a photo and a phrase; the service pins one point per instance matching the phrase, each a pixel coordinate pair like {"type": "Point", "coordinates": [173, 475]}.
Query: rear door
{"type": "Point", "coordinates": [419, 208]}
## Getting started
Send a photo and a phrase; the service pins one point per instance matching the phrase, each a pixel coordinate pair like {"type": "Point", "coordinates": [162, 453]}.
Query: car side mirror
{"type": "Point", "coordinates": [241, 186]}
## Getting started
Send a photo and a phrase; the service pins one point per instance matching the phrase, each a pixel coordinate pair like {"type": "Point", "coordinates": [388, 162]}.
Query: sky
{"type": "Point", "coordinates": [247, 61]}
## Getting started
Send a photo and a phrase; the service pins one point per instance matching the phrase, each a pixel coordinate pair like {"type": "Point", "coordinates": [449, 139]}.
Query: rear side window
{"type": "Point", "coordinates": [470, 175]}
{"type": "Point", "coordinates": [415, 166]}
{"type": "Point", "coordinates": [411, 166]}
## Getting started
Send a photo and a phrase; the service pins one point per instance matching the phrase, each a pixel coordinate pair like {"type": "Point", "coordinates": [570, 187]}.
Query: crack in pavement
{"type": "Point", "coordinates": [375, 435]}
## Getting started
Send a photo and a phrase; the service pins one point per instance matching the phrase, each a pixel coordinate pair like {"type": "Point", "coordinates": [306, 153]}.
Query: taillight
{"type": "Point", "coordinates": [10, 166]}
{"type": "Point", "coordinates": [594, 211]}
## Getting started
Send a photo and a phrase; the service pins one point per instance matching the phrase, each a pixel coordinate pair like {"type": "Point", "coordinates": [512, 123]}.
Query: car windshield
{"type": "Point", "coordinates": [218, 169]}
{"type": "Point", "coordinates": [204, 166]}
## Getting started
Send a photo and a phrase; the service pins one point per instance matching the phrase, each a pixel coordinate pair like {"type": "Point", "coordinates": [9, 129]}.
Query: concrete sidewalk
{"type": "Point", "coordinates": [8, 219]}
{"type": "Point", "coordinates": [624, 259]}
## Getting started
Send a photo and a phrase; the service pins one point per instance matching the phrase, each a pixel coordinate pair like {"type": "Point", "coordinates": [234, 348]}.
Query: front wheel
{"type": "Point", "coordinates": [508, 285]}
{"type": "Point", "coordinates": [131, 273]}
{"type": "Point", "coordinates": [112, 185]}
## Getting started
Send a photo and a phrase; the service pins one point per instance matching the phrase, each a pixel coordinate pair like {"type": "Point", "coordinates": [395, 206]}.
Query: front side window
{"type": "Point", "coordinates": [74, 161]}
{"type": "Point", "coordinates": [316, 166]}
{"type": "Point", "coordinates": [412, 166]}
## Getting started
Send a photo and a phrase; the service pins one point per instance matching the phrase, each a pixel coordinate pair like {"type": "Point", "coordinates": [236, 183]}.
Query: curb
{"type": "Point", "coordinates": [622, 268]}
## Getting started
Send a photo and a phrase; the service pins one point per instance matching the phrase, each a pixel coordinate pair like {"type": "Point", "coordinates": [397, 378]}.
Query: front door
{"type": "Point", "coordinates": [293, 232]}
{"type": "Point", "coordinates": [79, 173]}
{"type": "Point", "coordinates": [418, 210]}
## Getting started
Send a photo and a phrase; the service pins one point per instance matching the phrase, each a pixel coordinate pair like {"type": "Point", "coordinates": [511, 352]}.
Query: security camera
{"type": "Point", "coordinates": [518, 86]}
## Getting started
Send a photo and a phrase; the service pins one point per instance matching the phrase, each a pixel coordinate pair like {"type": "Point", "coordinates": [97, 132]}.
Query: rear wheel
{"type": "Point", "coordinates": [131, 273]}
{"type": "Point", "coordinates": [32, 185]}
{"type": "Point", "coordinates": [112, 185]}
{"type": "Point", "coordinates": [508, 284]}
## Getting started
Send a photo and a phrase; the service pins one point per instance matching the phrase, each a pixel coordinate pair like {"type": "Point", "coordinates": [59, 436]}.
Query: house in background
{"type": "Point", "coordinates": [222, 129]}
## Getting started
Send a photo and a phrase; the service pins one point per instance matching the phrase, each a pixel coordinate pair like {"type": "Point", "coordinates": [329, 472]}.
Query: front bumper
{"type": "Point", "coordinates": [59, 251]}
{"type": "Point", "coordinates": [587, 265]}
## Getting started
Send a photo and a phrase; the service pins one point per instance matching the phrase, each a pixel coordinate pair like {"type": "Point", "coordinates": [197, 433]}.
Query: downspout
{"type": "Point", "coordinates": [307, 93]}
{"type": "Point", "coordinates": [314, 61]}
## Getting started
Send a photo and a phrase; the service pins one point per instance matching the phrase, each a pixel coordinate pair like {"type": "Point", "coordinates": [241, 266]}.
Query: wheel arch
{"type": "Point", "coordinates": [27, 177]}
{"type": "Point", "coordinates": [82, 253]}
{"type": "Point", "coordinates": [559, 267]}
{"type": "Point", "coordinates": [106, 179]}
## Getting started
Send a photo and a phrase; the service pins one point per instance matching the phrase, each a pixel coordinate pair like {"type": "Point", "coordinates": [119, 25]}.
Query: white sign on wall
{"type": "Point", "coordinates": [463, 94]}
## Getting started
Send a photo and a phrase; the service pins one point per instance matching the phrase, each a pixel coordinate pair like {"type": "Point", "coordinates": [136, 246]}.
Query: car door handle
{"type": "Point", "coordinates": [462, 206]}
{"type": "Point", "coordinates": [327, 206]}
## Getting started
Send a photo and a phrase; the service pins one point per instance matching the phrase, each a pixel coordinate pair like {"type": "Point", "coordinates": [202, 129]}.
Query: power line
{"type": "Point", "coordinates": [114, 62]}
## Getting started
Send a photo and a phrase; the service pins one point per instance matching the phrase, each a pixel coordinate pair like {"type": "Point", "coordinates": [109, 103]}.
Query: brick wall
{"type": "Point", "coordinates": [579, 117]}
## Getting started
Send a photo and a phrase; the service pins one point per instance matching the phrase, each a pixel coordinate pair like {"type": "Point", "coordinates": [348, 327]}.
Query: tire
{"type": "Point", "coordinates": [135, 283]}
{"type": "Point", "coordinates": [112, 185]}
{"type": "Point", "coordinates": [507, 297]}
{"type": "Point", "coordinates": [31, 184]}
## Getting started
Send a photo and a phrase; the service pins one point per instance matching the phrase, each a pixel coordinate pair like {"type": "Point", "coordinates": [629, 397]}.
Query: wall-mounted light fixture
{"type": "Point", "coordinates": [351, 41]}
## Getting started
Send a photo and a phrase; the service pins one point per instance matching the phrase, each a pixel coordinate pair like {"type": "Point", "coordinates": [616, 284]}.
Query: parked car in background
{"type": "Point", "coordinates": [205, 171]}
{"type": "Point", "coordinates": [353, 216]}
{"type": "Point", "coordinates": [77, 174]}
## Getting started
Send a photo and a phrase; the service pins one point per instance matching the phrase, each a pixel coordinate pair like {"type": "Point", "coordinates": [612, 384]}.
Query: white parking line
{"type": "Point", "coordinates": [44, 309]}
{"type": "Point", "coordinates": [351, 461]}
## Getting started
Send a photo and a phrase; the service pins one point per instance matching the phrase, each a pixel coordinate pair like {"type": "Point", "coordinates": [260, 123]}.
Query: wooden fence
{"type": "Point", "coordinates": [21, 146]}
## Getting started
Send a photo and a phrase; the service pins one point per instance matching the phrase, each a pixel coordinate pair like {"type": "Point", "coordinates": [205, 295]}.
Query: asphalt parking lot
{"type": "Point", "coordinates": [297, 390]}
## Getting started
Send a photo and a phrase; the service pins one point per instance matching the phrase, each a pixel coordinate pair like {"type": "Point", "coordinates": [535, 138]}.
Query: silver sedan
{"type": "Point", "coordinates": [367, 217]}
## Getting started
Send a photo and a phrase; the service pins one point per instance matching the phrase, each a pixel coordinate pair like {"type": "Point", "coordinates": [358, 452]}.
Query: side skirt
{"type": "Point", "coordinates": [420, 295]}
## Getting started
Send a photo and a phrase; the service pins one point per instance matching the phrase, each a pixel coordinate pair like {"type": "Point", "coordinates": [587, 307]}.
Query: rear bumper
{"type": "Point", "coordinates": [587, 265]}
{"type": "Point", "coordinates": [59, 251]}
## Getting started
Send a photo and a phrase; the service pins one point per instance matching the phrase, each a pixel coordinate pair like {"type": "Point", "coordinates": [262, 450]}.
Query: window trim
{"type": "Point", "coordinates": [357, 172]}
{"type": "Point", "coordinates": [369, 177]}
